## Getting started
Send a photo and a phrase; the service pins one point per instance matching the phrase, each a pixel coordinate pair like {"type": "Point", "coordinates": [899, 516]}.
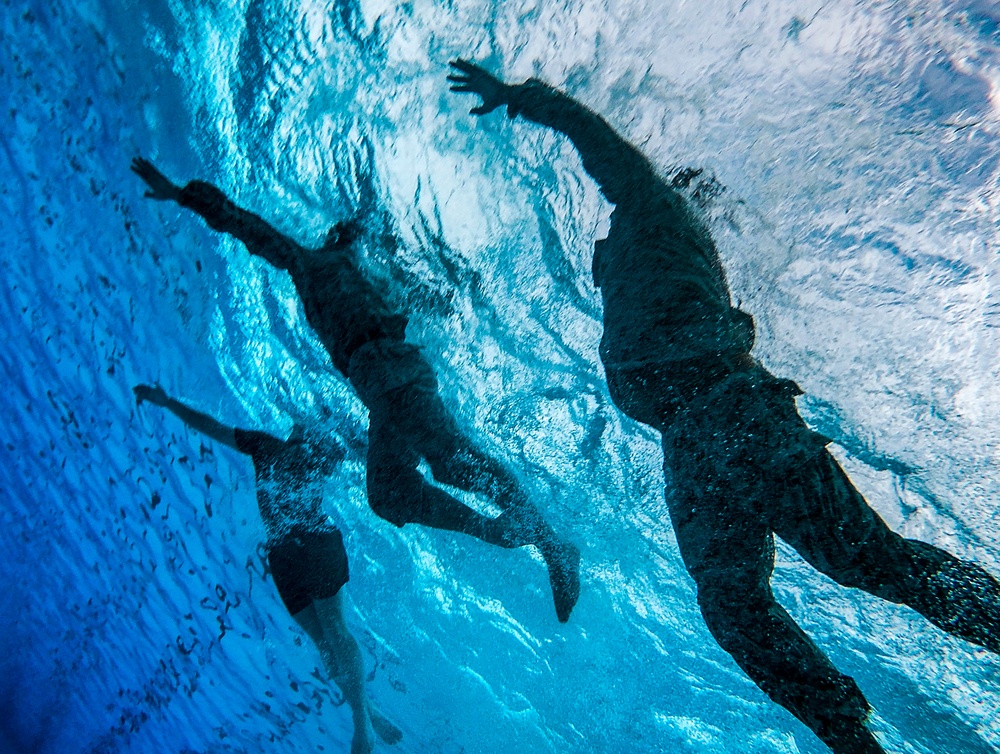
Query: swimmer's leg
{"type": "Point", "coordinates": [729, 551]}
{"type": "Point", "coordinates": [426, 429]}
{"type": "Point", "coordinates": [786, 664]}
{"type": "Point", "coordinates": [342, 660]}
{"type": "Point", "coordinates": [400, 494]}
{"type": "Point", "coordinates": [829, 522]}
{"type": "Point", "coordinates": [324, 621]}
{"type": "Point", "coordinates": [459, 462]}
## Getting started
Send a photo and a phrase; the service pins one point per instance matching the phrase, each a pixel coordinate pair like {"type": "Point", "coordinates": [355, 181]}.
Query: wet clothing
{"type": "Point", "coordinates": [308, 564]}
{"type": "Point", "coordinates": [407, 422]}
{"type": "Point", "coordinates": [381, 367]}
{"type": "Point", "coordinates": [407, 419]}
{"type": "Point", "coordinates": [341, 305]}
{"type": "Point", "coordinates": [656, 393]}
{"type": "Point", "coordinates": [664, 291]}
{"type": "Point", "coordinates": [740, 464]}
{"type": "Point", "coordinates": [290, 477]}
{"type": "Point", "coordinates": [305, 553]}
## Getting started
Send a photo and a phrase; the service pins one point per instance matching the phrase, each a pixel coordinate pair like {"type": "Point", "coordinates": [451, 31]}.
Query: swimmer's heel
{"type": "Point", "coordinates": [385, 730]}
{"type": "Point", "coordinates": [563, 561]}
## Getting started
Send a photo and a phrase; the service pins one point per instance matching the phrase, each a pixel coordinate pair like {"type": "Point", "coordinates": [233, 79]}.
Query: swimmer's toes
{"type": "Point", "coordinates": [564, 576]}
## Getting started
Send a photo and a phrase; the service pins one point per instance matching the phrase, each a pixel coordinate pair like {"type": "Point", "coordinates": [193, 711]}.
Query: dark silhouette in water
{"type": "Point", "coordinates": [304, 550]}
{"type": "Point", "coordinates": [740, 464]}
{"type": "Point", "coordinates": [407, 419]}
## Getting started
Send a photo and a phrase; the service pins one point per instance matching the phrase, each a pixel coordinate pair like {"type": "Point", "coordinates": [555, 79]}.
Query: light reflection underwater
{"type": "Point", "coordinates": [858, 149]}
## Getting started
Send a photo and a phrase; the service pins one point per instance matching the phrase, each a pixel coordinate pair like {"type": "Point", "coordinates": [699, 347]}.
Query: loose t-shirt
{"type": "Point", "coordinates": [290, 477]}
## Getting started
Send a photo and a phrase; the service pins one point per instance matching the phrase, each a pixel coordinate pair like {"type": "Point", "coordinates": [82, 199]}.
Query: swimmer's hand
{"type": "Point", "coordinates": [161, 188]}
{"type": "Point", "coordinates": [469, 77]}
{"type": "Point", "coordinates": [152, 393]}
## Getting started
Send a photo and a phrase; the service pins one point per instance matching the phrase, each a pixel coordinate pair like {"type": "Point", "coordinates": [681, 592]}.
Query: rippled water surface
{"type": "Point", "coordinates": [860, 224]}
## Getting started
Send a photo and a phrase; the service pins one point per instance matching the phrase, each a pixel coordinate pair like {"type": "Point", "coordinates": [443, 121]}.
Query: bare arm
{"type": "Point", "coordinates": [619, 168]}
{"type": "Point", "coordinates": [194, 419]}
{"type": "Point", "coordinates": [221, 214]}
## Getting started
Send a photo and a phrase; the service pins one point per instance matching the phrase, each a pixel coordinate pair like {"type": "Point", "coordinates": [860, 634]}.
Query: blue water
{"type": "Point", "coordinates": [860, 224]}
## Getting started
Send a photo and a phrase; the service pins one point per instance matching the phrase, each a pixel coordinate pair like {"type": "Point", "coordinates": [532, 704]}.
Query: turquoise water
{"type": "Point", "coordinates": [857, 144]}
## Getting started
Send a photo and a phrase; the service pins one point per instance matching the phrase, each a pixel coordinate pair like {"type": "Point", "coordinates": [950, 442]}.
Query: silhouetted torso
{"type": "Point", "coordinates": [342, 306]}
{"type": "Point", "coordinates": [665, 295]}
{"type": "Point", "coordinates": [290, 477]}
{"type": "Point", "coordinates": [664, 298]}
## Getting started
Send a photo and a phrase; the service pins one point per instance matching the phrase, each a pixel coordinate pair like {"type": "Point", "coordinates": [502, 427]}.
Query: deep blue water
{"type": "Point", "coordinates": [860, 224]}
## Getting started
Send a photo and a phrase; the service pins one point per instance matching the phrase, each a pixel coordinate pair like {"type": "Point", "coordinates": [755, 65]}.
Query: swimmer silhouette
{"type": "Point", "coordinates": [407, 419]}
{"type": "Point", "coordinates": [304, 550]}
{"type": "Point", "coordinates": [740, 464]}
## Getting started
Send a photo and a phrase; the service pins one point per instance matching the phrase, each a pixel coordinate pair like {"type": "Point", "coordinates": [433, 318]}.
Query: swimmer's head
{"type": "Point", "coordinates": [341, 235]}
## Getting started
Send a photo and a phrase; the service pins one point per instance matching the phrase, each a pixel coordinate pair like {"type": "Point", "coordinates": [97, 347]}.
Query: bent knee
{"type": "Point", "coordinates": [391, 495]}
{"type": "Point", "coordinates": [388, 507]}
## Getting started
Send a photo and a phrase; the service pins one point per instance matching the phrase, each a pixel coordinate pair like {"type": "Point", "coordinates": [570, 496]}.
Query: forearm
{"type": "Point", "coordinates": [225, 216]}
{"type": "Point", "coordinates": [212, 204]}
{"type": "Point", "coordinates": [617, 166]}
{"type": "Point", "coordinates": [201, 422]}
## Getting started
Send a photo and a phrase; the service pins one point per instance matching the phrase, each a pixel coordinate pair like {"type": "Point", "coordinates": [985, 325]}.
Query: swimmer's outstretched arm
{"type": "Point", "coordinates": [194, 419]}
{"type": "Point", "coordinates": [619, 168]}
{"type": "Point", "coordinates": [221, 214]}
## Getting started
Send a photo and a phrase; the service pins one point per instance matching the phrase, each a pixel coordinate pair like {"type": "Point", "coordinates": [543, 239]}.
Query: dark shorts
{"type": "Point", "coordinates": [386, 372]}
{"type": "Point", "coordinates": [308, 564]}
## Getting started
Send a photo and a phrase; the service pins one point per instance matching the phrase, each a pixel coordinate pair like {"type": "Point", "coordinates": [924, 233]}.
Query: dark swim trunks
{"type": "Point", "coordinates": [383, 367]}
{"type": "Point", "coordinates": [308, 564]}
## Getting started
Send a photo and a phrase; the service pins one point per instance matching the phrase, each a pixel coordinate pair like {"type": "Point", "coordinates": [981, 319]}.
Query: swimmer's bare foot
{"type": "Point", "coordinates": [563, 560]}
{"type": "Point", "coordinates": [385, 730]}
